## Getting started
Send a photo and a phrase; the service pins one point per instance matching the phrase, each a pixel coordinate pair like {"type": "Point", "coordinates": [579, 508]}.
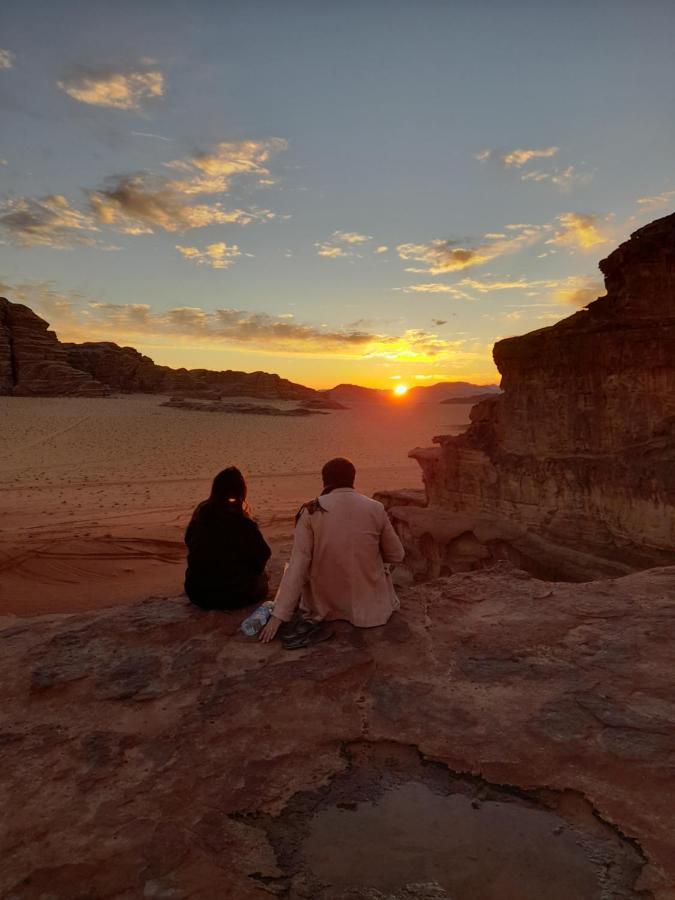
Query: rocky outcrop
{"type": "Point", "coordinates": [242, 409]}
{"type": "Point", "coordinates": [322, 403]}
{"type": "Point", "coordinates": [126, 370]}
{"type": "Point", "coordinates": [153, 751]}
{"type": "Point", "coordinates": [577, 456]}
{"type": "Point", "coordinates": [33, 362]}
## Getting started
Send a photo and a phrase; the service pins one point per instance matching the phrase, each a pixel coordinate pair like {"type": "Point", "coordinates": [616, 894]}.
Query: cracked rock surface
{"type": "Point", "coordinates": [143, 746]}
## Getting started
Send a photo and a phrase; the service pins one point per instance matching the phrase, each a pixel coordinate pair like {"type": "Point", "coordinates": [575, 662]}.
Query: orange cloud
{"type": "Point", "coordinates": [115, 90]}
{"type": "Point", "coordinates": [48, 222]}
{"type": "Point", "coordinates": [518, 158]}
{"type": "Point", "coordinates": [216, 256]}
{"type": "Point", "coordinates": [441, 256]}
{"type": "Point", "coordinates": [578, 231]}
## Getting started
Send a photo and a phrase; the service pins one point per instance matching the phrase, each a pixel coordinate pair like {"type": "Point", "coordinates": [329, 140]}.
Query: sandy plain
{"type": "Point", "coordinates": [95, 494]}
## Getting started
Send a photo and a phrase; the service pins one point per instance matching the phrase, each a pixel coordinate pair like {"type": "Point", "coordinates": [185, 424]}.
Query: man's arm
{"type": "Point", "coordinates": [293, 579]}
{"type": "Point", "coordinates": [391, 547]}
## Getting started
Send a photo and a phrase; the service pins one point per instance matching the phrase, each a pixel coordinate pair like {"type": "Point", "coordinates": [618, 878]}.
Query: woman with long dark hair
{"type": "Point", "coordinates": [226, 551]}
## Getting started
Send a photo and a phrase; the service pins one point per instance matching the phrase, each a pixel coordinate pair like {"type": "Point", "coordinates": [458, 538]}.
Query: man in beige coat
{"type": "Point", "coordinates": [342, 545]}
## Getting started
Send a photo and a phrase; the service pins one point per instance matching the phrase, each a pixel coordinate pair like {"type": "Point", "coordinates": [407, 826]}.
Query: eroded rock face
{"type": "Point", "coordinates": [154, 751]}
{"type": "Point", "coordinates": [33, 362]}
{"type": "Point", "coordinates": [579, 450]}
{"type": "Point", "coordinates": [125, 369]}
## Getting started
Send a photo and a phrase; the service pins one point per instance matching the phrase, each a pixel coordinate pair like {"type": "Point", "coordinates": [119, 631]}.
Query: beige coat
{"type": "Point", "coordinates": [337, 566]}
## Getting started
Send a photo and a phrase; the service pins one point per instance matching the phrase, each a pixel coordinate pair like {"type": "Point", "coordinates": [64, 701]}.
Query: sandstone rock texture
{"type": "Point", "coordinates": [575, 461]}
{"type": "Point", "coordinates": [33, 362]}
{"type": "Point", "coordinates": [153, 751]}
{"type": "Point", "coordinates": [126, 370]}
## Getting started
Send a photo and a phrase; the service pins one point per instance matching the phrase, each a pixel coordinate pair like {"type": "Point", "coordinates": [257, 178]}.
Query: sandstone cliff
{"type": "Point", "coordinates": [33, 362]}
{"type": "Point", "coordinates": [125, 369]}
{"type": "Point", "coordinates": [152, 751]}
{"type": "Point", "coordinates": [571, 471]}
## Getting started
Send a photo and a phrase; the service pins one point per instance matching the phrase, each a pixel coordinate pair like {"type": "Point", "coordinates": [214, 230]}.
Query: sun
{"type": "Point", "coordinates": [400, 390]}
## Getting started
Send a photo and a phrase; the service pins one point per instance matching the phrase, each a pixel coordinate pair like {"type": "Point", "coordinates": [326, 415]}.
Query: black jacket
{"type": "Point", "coordinates": [226, 558]}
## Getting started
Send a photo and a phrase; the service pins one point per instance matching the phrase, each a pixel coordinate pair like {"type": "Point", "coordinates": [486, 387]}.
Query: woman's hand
{"type": "Point", "coordinates": [269, 632]}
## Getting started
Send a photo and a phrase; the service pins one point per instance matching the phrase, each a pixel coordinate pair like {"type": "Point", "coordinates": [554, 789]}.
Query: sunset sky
{"type": "Point", "coordinates": [362, 191]}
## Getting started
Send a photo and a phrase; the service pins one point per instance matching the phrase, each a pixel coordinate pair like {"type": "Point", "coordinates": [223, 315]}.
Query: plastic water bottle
{"type": "Point", "coordinates": [258, 619]}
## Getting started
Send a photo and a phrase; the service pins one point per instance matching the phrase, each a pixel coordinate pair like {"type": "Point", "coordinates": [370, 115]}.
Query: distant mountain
{"type": "Point", "coordinates": [433, 393]}
{"type": "Point", "coordinates": [353, 393]}
{"type": "Point", "coordinates": [472, 398]}
{"type": "Point", "coordinates": [447, 390]}
{"type": "Point", "coordinates": [128, 371]}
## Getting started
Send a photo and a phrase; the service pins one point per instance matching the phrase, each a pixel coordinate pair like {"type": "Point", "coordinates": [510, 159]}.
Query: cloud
{"type": "Point", "coordinates": [331, 251]}
{"type": "Point", "coordinates": [3, 162]}
{"type": "Point", "coordinates": [579, 290]}
{"type": "Point", "coordinates": [115, 90]}
{"type": "Point", "coordinates": [73, 318]}
{"type": "Point", "coordinates": [578, 231]}
{"type": "Point", "coordinates": [351, 237]}
{"type": "Point", "coordinates": [486, 287]}
{"type": "Point", "coordinates": [212, 172]}
{"type": "Point", "coordinates": [381, 249]}
{"type": "Point", "coordinates": [440, 321]}
{"type": "Point", "coordinates": [436, 288]}
{"type": "Point", "coordinates": [149, 134]}
{"type": "Point", "coordinates": [441, 256]}
{"type": "Point", "coordinates": [570, 177]}
{"type": "Point", "coordinates": [48, 221]}
{"type": "Point", "coordinates": [216, 256]}
{"type": "Point", "coordinates": [6, 59]}
{"type": "Point", "coordinates": [565, 179]}
{"type": "Point", "coordinates": [656, 201]}
{"type": "Point", "coordinates": [518, 158]}
{"type": "Point", "coordinates": [483, 155]}
{"type": "Point", "coordinates": [140, 204]}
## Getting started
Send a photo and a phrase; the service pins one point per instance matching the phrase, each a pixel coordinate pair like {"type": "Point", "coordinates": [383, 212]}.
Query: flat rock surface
{"type": "Point", "coordinates": [153, 751]}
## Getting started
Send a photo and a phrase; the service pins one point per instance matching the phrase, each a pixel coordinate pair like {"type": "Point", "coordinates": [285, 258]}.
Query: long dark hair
{"type": "Point", "coordinates": [228, 492]}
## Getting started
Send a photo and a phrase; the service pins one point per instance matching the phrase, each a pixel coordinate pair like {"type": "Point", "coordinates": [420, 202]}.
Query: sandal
{"type": "Point", "coordinates": [311, 633]}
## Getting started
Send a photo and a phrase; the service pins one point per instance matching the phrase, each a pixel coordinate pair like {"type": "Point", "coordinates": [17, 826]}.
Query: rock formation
{"type": "Point", "coordinates": [126, 370]}
{"type": "Point", "coordinates": [152, 751]}
{"type": "Point", "coordinates": [243, 409]}
{"type": "Point", "coordinates": [570, 472]}
{"type": "Point", "coordinates": [33, 362]}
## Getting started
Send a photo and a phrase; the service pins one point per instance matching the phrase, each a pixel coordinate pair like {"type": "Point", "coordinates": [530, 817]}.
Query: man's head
{"type": "Point", "coordinates": [338, 473]}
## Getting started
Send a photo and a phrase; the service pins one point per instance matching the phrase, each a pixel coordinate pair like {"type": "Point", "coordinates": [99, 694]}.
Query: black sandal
{"type": "Point", "coordinates": [310, 633]}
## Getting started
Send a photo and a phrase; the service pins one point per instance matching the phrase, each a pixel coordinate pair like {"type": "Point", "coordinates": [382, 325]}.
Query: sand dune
{"type": "Point", "coordinates": [96, 492]}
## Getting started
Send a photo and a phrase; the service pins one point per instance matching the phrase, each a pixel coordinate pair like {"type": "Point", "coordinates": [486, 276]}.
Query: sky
{"type": "Point", "coordinates": [369, 192]}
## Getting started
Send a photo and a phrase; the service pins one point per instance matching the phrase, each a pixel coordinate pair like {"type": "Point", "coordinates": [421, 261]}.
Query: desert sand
{"type": "Point", "coordinates": [96, 492]}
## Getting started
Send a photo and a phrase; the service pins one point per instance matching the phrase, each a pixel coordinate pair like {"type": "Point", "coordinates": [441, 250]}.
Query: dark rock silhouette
{"type": "Point", "coordinates": [126, 370]}
{"type": "Point", "coordinates": [248, 409]}
{"type": "Point", "coordinates": [33, 362]}
{"type": "Point", "coordinates": [570, 472]}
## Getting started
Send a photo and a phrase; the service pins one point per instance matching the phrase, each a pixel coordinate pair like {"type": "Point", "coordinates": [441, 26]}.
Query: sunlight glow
{"type": "Point", "coordinates": [400, 389]}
